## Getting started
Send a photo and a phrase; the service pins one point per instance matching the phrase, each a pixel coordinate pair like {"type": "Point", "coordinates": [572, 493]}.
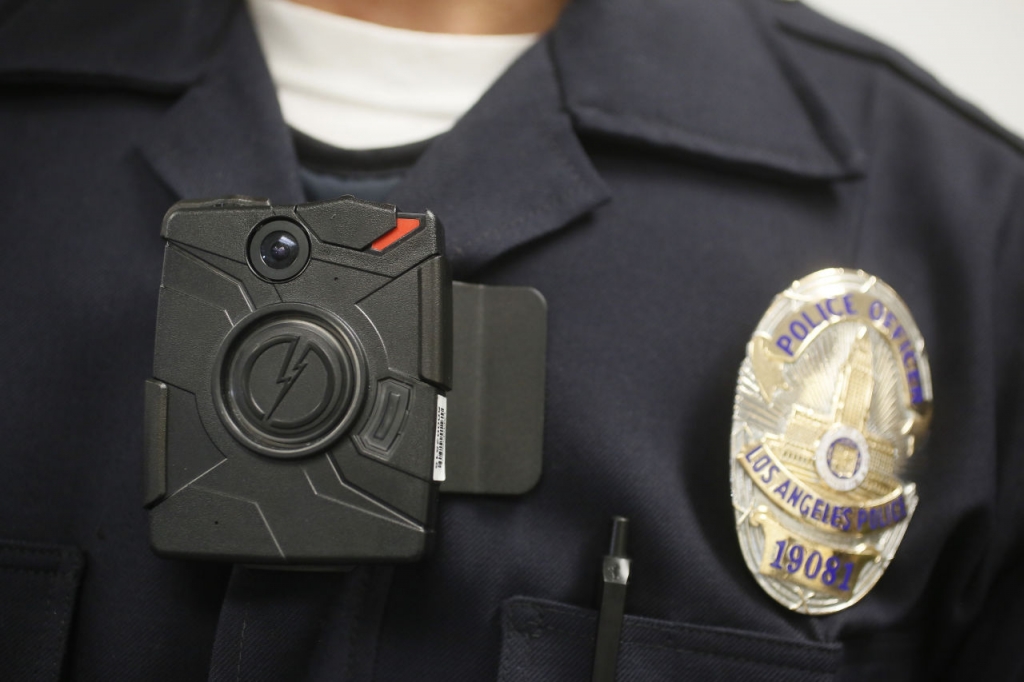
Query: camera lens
{"type": "Point", "coordinates": [279, 250]}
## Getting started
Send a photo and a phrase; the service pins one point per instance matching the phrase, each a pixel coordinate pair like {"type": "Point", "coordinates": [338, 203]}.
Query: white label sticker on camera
{"type": "Point", "coordinates": [439, 437]}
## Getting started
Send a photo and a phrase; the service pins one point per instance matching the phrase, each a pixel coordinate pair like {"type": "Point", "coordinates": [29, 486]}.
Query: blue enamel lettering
{"type": "Point", "coordinates": [796, 558]}
{"type": "Point", "coordinates": [762, 461]}
{"type": "Point", "coordinates": [782, 489]}
{"type": "Point", "coordinates": [848, 567]}
{"type": "Point", "coordinates": [814, 560]}
{"type": "Point", "coordinates": [816, 511]}
{"type": "Point", "coordinates": [899, 509]}
{"type": "Point", "coordinates": [914, 380]}
{"type": "Point", "coordinates": [828, 576]}
{"type": "Point", "coordinates": [794, 495]}
{"type": "Point", "coordinates": [778, 556]}
{"type": "Point", "coordinates": [785, 343]}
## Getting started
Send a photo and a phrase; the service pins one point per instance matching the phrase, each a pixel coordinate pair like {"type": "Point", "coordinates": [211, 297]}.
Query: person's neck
{"type": "Point", "coordinates": [479, 17]}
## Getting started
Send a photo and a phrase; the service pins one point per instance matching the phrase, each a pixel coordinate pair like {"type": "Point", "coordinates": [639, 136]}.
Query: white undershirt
{"type": "Point", "coordinates": [358, 85]}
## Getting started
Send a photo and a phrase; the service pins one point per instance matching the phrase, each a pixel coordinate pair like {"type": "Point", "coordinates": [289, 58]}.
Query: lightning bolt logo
{"type": "Point", "coordinates": [289, 373]}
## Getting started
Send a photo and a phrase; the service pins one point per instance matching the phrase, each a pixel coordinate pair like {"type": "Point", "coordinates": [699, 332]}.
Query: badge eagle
{"type": "Point", "coordinates": [832, 399]}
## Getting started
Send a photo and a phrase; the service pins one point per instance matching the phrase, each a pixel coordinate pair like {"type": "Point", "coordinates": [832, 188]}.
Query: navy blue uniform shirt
{"type": "Point", "coordinates": [659, 170]}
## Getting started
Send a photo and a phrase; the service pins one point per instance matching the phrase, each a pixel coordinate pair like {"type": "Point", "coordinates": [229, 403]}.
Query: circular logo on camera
{"type": "Point", "coordinates": [290, 381]}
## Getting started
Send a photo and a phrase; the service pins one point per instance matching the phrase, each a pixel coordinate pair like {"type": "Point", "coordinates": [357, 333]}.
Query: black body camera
{"type": "Point", "coordinates": [298, 411]}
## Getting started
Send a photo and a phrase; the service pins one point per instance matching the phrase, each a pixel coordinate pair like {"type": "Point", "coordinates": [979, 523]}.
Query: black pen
{"type": "Point", "coordinates": [615, 576]}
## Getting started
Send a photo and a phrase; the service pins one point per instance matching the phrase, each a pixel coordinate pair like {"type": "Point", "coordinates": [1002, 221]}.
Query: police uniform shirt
{"type": "Point", "coordinates": [659, 175]}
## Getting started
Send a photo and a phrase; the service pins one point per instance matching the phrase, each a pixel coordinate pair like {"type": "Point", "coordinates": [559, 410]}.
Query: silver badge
{"type": "Point", "coordinates": [832, 398]}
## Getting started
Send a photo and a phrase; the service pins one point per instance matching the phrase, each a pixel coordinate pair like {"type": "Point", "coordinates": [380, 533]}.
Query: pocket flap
{"type": "Point", "coordinates": [38, 586]}
{"type": "Point", "coordinates": [545, 640]}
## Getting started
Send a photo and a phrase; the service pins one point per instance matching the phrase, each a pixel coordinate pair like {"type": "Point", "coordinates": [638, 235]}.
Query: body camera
{"type": "Point", "coordinates": [302, 356]}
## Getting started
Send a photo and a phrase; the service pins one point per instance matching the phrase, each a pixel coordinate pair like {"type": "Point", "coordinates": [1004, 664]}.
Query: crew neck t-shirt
{"type": "Point", "coordinates": [352, 86]}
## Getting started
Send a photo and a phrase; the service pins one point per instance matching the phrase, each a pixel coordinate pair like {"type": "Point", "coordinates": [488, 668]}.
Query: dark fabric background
{"type": "Point", "coordinates": [659, 175]}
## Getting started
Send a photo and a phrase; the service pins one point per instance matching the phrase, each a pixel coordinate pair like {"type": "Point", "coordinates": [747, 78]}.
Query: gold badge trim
{"type": "Point", "coordinates": [832, 399]}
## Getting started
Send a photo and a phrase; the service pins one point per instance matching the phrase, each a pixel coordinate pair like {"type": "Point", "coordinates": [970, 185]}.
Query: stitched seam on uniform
{"type": "Point", "coordinates": [49, 603]}
{"type": "Point", "coordinates": [731, 657]}
{"type": "Point", "coordinates": [682, 627]}
{"type": "Point", "coordinates": [557, 201]}
{"type": "Point", "coordinates": [241, 642]}
{"type": "Point", "coordinates": [531, 626]}
{"type": "Point", "coordinates": [828, 130]}
{"type": "Point", "coordinates": [62, 577]}
{"type": "Point", "coordinates": [665, 125]}
{"type": "Point", "coordinates": [31, 550]}
{"type": "Point", "coordinates": [524, 635]}
{"type": "Point", "coordinates": [933, 90]}
{"type": "Point", "coordinates": [69, 594]}
{"type": "Point", "coordinates": [782, 644]}
{"type": "Point", "coordinates": [20, 569]}
{"type": "Point", "coordinates": [59, 576]}
{"type": "Point", "coordinates": [689, 650]}
{"type": "Point", "coordinates": [559, 198]}
{"type": "Point", "coordinates": [1007, 222]}
{"type": "Point", "coordinates": [865, 192]}
{"type": "Point", "coordinates": [359, 600]}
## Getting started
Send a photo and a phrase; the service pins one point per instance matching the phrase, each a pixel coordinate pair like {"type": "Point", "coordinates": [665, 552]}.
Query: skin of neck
{"type": "Point", "coordinates": [473, 17]}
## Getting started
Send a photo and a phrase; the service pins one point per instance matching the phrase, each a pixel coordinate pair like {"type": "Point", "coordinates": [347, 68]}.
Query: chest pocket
{"type": "Point", "coordinates": [544, 640]}
{"type": "Point", "coordinates": [38, 588]}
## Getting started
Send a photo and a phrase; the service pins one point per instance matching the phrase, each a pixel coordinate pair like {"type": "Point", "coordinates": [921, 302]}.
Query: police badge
{"type": "Point", "coordinates": [832, 398]}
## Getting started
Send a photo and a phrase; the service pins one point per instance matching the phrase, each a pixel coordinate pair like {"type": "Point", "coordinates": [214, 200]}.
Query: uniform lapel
{"type": "Point", "coordinates": [109, 42]}
{"type": "Point", "coordinates": [718, 87]}
{"type": "Point", "coordinates": [511, 171]}
{"type": "Point", "coordinates": [226, 134]}
{"type": "Point", "coordinates": [222, 135]}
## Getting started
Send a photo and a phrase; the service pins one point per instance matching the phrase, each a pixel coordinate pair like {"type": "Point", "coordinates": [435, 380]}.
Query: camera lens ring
{"type": "Point", "coordinates": [278, 249]}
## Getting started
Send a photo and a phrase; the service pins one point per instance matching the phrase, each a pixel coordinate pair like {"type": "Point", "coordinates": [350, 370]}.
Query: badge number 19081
{"type": "Point", "coordinates": [833, 396]}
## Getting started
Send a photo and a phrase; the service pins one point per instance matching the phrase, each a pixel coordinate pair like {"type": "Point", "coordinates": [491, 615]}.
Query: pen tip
{"type": "Point", "coordinates": [620, 531]}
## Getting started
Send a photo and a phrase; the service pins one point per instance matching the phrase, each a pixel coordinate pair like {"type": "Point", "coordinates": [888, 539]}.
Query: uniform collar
{"type": "Point", "coordinates": [719, 89]}
{"type": "Point", "coordinates": [510, 172]}
{"type": "Point", "coordinates": [225, 135]}
{"type": "Point", "coordinates": [718, 85]}
{"type": "Point", "coordinates": [707, 79]}
{"type": "Point", "coordinates": [153, 45]}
